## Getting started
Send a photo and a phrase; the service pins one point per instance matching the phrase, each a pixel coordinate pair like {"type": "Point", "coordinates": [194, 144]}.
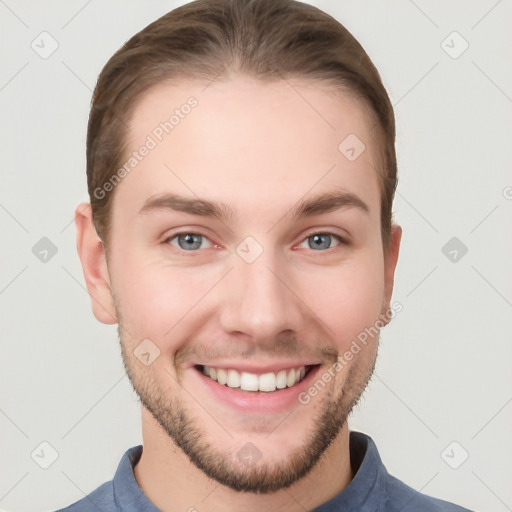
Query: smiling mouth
{"type": "Point", "coordinates": [251, 382]}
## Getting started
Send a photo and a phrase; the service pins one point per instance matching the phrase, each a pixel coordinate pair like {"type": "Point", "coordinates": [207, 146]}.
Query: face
{"type": "Point", "coordinates": [235, 299]}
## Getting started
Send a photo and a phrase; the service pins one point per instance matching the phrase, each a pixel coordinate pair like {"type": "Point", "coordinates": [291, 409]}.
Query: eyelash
{"type": "Point", "coordinates": [341, 240]}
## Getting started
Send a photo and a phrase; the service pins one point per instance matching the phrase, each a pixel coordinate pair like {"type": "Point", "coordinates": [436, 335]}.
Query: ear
{"type": "Point", "coordinates": [94, 264]}
{"type": "Point", "coordinates": [390, 261]}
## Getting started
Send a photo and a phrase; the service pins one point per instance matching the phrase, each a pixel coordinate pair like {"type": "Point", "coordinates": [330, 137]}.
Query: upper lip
{"type": "Point", "coordinates": [259, 368]}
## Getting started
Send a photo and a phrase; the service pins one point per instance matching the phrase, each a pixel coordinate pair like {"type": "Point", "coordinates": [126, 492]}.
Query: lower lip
{"type": "Point", "coordinates": [258, 401]}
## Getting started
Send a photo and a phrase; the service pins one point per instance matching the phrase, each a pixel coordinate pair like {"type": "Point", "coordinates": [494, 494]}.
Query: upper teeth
{"type": "Point", "coordinates": [253, 382]}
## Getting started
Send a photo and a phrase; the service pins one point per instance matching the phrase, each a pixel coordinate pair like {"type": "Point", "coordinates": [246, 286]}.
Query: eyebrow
{"type": "Point", "coordinates": [321, 203]}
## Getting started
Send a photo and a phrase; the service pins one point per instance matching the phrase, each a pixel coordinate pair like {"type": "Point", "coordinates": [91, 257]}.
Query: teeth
{"type": "Point", "coordinates": [233, 379]}
{"type": "Point", "coordinates": [221, 376]}
{"type": "Point", "coordinates": [251, 382]}
{"type": "Point", "coordinates": [290, 378]}
{"type": "Point", "coordinates": [267, 382]}
{"type": "Point", "coordinates": [281, 379]}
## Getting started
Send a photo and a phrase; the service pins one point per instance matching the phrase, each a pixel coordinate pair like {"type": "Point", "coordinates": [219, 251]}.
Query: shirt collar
{"type": "Point", "coordinates": [127, 493]}
{"type": "Point", "coordinates": [365, 492]}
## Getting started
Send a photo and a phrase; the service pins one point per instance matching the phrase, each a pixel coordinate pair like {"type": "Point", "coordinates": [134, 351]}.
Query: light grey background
{"type": "Point", "coordinates": [444, 368]}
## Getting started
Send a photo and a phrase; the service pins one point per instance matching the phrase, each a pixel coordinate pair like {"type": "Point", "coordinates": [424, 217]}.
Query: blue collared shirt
{"type": "Point", "coordinates": [371, 490]}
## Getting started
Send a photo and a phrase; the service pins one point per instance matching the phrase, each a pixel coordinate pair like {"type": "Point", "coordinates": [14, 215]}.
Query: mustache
{"type": "Point", "coordinates": [285, 347]}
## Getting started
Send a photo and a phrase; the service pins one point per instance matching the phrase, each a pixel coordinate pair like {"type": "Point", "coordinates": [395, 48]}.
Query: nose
{"type": "Point", "coordinates": [260, 301]}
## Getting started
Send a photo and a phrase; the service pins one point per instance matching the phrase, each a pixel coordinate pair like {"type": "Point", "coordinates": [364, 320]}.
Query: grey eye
{"type": "Point", "coordinates": [188, 241]}
{"type": "Point", "coordinates": [319, 241]}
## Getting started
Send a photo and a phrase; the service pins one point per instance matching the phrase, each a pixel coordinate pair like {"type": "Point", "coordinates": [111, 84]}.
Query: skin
{"type": "Point", "coordinates": [261, 148]}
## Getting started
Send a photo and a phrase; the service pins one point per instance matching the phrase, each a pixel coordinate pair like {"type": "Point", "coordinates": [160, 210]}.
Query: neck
{"type": "Point", "coordinates": [172, 482]}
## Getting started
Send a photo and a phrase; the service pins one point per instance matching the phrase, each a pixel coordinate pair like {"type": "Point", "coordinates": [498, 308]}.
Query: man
{"type": "Point", "coordinates": [241, 170]}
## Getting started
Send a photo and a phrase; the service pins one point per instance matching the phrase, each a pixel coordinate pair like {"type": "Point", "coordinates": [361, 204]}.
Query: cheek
{"type": "Point", "coordinates": [151, 299]}
{"type": "Point", "coordinates": [348, 299]}
{"type": "Point", "coordinates": [164, 303]}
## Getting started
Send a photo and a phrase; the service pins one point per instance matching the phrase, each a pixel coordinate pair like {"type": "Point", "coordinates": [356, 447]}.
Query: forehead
{"type": "Point", "coordinates": [249, 141]}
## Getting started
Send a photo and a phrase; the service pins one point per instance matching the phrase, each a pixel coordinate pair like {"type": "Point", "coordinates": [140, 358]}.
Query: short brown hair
{"type": "Point", "coordinates": [216, 39]}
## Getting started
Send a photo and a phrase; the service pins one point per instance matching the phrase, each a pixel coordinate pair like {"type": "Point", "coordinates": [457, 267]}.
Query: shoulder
{"type": "Point", "coordinates": [101, 498]}
{"type": "Point", "coordinates": [388, 493]}
{"type": "Point", "coordinates": [123, 486]}
{"type": "Point", "coordinates": [403, 498]}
